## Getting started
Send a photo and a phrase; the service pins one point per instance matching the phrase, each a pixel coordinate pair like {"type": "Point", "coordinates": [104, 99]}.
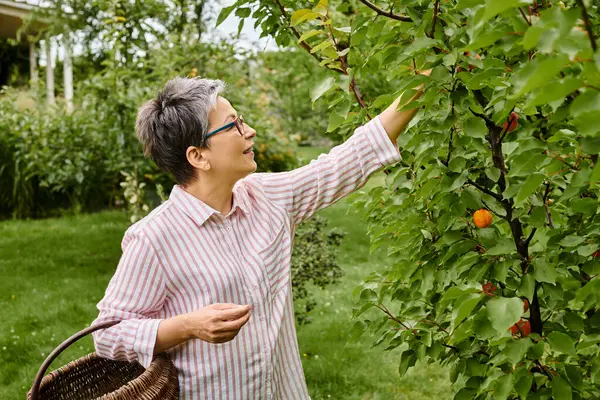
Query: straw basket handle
{"type": "Point", "coordinates": [63, 346]}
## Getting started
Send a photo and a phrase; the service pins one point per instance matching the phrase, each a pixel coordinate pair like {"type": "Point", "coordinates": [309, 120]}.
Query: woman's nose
{"type": "Point", "coordinates": [249, 132]}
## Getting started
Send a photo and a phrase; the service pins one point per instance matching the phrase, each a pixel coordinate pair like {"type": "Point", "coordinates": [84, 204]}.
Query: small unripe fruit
{"type": "Point", "coordinates": [482, 218]}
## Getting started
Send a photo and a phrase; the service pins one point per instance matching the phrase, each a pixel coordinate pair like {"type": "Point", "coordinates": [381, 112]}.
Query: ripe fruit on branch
{"type": "Point", "coordinates": [596, 254]}
{"type": "Point", "coordinates": [523, 327]}
{"type": "Point", "coordinates": [525, 305]}
{"type": "Point", "coordinates": [482, 218]}
{"type": "Point", "coordinates": [489, 289]}
{"type": "Point", "coordinates": [512, 123]}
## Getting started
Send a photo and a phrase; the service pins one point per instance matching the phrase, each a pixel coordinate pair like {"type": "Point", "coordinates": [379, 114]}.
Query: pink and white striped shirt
{"type": "Point", "coordinates": [185, 255]}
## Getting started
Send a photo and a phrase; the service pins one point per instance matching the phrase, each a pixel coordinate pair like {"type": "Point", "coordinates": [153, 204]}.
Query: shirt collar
{"type": "Point", "coordinates": [199, 211]}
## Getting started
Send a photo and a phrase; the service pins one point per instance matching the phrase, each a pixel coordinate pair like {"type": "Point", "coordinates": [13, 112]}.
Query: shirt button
{"type": "Point", "coordinates": [228, 228]}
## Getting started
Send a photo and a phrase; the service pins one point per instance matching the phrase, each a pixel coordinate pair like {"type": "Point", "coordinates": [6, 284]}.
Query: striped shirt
{"type": "Point", "coordinates": [185, 255]}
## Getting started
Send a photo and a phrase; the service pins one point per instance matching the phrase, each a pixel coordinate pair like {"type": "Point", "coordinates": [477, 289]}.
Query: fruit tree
{"type": "Point", "coordinates": [509, 125]}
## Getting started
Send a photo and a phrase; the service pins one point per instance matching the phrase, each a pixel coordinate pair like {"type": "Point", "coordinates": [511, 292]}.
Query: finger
{"type": "Point", "coordinates": [225, 306]}
{"type": "Point", "coordinates": [228, 326]}
{"type": "Point", "coordinates": [233, 313]}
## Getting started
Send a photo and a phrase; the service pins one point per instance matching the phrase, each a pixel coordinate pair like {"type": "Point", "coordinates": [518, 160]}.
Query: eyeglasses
{"type": "Point", "coordinates": [238, 122]}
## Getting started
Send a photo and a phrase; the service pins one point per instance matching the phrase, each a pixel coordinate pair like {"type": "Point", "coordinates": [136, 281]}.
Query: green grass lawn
{"type": "Point", "coordinates": [53, 272]}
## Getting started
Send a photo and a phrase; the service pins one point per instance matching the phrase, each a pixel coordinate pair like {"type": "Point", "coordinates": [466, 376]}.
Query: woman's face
{"type": "Point", "coordinates": [226, 155]}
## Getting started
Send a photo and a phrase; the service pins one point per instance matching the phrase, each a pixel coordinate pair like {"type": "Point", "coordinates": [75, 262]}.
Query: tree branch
{"type": "Point", "coordinates": [526, 243]}
{"type": "Point", "coordinates": [485, 190]}
{"type": "Point", "coordinates": [548, 216]}
{"type": "Point", "coordinates": [344, 68]}
{"type": "Point", "coordinates": [386, 13]}
{"type": "Point", "coordinates": [436, 8]}
{"type": "Point", "coordinates": [588, 25]}
{"type": "Point", "coordinates": [389, 314]}
{"type": "Point", "coordinates": [525, 17]}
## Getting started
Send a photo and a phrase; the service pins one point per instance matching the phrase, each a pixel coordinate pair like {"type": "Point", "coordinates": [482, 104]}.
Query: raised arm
{"type": "Point", "coordinates": [346, 168]}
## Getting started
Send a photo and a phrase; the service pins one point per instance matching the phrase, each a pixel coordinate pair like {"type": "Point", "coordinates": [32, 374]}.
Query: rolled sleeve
{"type": "Point", "coordinates": [387, 152]}
{"type": "Point", "coordinates": [145, 339]}
{"type": "Point", "coordinates": [347, 167]}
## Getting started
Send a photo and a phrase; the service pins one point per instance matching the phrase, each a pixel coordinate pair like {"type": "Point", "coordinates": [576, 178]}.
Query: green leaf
{"type": "Point", "coordinates": [544, 271]}
{"type": "Point", "coordinates": [479, 80]}
{"type": "Point", "coordinates": [591, 146]}
{"type": "Point", "coordinates": [571, 241]}
{"type": "Point", "coordinates": [357, 330]}
{"type": "Point", "coordinates": [475, 127]}
{"type": "Point", "coordinates": [464, 306]}
{"type": "Point", "coordinates": [453, 293]}
{"type": "Point", "coordinates": [527, 162]}
{"type": "Point", "coordinates": [408, 360]}
{"type": "Point", "coordinates": [504, 246]}
{"type": "Point", "coordinates": [587, 250]}
{"type": "Point", "coordinates": [562, 343]}
{"type": "Point", "coordinates": [555, 24]}
{"type": "Point", "coordinates": [585, 110]}
{"type": "Point", "coordinates": [574, 375]}
{"type": "Point", "coordinates": [457, 164]}
{"type": "Point", "coordinates": [309, 34]}
{"type": "Point", "coordinates": [538, 73]}
{"type": "Point", "coordinates": [537, 351]}
{"type": "Point", "coordinates": [586, 102]}
{"type": "Point", "coordinates": [321, 88]}
{"type": "Point", "coordinates": [554, 91]}
{"type": "Point", "coordinates": [463, 331]}
{"type": "Point", "coordinates": [529, 186]}
{"type": "Point", "coordinates": [504, 312]}
{"type": "Point", "coordinates": [225, 13]}
{"type": "Point", "coordinates": [589, 294]}
{"type": "Point", "coordinates": [335, 120]}
{"type": "Point", "coordinates": [523, 385]}
{"type": "Point", "coordinates": [487, 38]}
{"type": "Point", "coordinates": [504, 385]}
{"type": "Point", "coordinates": [243, 12]}
{"type": "Point", "coordinates": [595, 175]}
{"type": "Point", "coordinates": [303, 15]}
{"type": "Point", "coordinates": [527, 285]}
{"type": "Point", "coordinates": [321, 46]}
{"type": "Point", "coordinates": [494, 7]}
{"type": "Point", "coordinates": [344, 29]}
{"type": "Point", "coordinates": [420, 44]}
{"type": "Point", "coordinates": [561, 389]}
{"type": "Point", "coordinates": [493, 173]}
{"type": "Point", "coordinates": [515, 350]}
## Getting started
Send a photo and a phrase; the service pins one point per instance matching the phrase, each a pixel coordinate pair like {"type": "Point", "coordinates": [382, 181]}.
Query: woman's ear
{"type": "Point", "coordinates": [197, 158]}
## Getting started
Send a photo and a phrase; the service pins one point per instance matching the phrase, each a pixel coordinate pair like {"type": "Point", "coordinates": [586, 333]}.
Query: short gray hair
{"type": "Point", "coordinates": [176, 119]}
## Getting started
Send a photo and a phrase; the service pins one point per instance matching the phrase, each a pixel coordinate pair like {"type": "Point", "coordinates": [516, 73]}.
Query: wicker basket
{"type": "Point", "coordinates": [93, 377]}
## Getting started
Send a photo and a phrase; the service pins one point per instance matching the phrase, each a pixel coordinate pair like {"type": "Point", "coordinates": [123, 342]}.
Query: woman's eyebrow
{"type": "Point", "coordinates": [229, 116]}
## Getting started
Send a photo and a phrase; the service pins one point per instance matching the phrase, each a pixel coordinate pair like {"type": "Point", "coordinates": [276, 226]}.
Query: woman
{"type": "Point", "coordinates": [206, 275]}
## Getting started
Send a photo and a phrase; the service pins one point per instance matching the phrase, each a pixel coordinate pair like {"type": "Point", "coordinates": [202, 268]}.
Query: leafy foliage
{"type": "Point", "coordinates": [313, 263]}
{"type": "Point", "coordinates": [462, 152]}
{"type": "Point", "coordinates": [53, 160]}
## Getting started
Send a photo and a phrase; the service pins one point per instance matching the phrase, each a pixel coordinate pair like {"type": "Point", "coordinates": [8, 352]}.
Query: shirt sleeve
{"type": "Point", "coordinates": [322, 182]}
{"type": "Point", "coordinates": [135, 293]}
